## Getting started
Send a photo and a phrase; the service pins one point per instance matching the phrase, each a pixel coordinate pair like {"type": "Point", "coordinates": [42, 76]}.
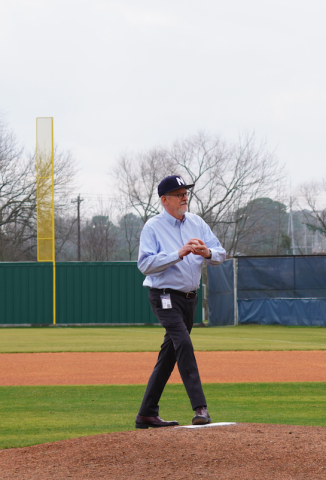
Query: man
{"type": "Point", "coordinates": [173, 246]}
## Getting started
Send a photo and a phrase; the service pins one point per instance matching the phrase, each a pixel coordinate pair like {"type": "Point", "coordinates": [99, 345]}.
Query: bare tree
{"type": "Point", "coordinates": [130, 229]}
{"type": "Point", "coordinates": [312, 194]}
{"type": "Point", "coordinates": [65, 236]}
{"type": "Point", "coordinates": [99, 240]}
{"type": "Point", "coordinates": [65, 174]}
{"type": "Point", "coordinates": [99, 235]}
{"type": "Point", "coordinates": [226, 176]}
{"type": "Point", "coordinates": [18, 195]}
{"type": "Point", "coordinates": [137, 177]}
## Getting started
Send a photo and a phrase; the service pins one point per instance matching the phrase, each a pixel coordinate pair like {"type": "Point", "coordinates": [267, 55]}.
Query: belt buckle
{"type": "Point", "coordinates": [188, 294]}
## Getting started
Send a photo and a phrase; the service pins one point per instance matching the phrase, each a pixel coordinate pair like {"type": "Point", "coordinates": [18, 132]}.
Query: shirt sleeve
{"type": "Point", "coordinates": [150, 260]}
{"type": "Point", "coordinates": [218, 252]}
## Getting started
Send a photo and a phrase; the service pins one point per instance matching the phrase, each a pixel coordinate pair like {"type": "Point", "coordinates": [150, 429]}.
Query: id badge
{"type": "Point", "coordinates": [166, 301]}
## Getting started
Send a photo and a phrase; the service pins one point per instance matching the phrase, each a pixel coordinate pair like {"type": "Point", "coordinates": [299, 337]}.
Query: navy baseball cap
{"type": "Point", "coordinates": [168, 184]}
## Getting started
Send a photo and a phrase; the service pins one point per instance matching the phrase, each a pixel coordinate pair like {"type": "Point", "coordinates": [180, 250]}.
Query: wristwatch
{"type": "Point", "coordinates": [207, 258]}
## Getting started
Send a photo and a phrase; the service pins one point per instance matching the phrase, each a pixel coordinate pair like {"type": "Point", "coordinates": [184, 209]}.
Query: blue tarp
{"type": "Point", "coordinates": [285, 291]}
{"type": "Point", "coordinates": [275, 290]}
{"type": "Point", "coordinates": [221, 294]}
{"type": "Point", "coordinates": [280, 311]}
{"type": "Point", "coordinates": [293, 277]}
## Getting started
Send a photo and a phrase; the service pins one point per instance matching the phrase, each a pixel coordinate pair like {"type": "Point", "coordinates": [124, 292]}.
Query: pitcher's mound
{"type": "Point", "coordinates": [242, 451]}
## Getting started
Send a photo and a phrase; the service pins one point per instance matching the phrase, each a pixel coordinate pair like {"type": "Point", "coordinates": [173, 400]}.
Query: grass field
{"type": "Point", "coordinates": [146, 339]}
{"type": "Point", "coordinates": [38, 414]}
{"type": "Point", "coordinates": [33, 415]}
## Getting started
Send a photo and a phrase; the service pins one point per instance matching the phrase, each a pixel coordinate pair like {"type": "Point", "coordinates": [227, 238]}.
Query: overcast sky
{"type": "Point", "coordinates": [125, 75]}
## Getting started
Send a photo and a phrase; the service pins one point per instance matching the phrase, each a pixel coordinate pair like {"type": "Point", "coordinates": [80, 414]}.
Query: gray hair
{"type": "Point", "coordinates": [167, 196]}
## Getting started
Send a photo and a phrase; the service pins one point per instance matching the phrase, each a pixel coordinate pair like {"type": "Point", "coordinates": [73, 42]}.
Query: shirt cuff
{"type": "Point", "coordinates": [216, 258]}
{"type": "Point", "coordinates": [175, 256]}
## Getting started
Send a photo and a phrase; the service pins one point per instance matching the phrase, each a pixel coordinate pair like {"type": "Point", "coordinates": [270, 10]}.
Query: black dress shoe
{"type": "Point", "coordinates": [153, 422]}
{"type": "Point", "coordinates": [201, 416]}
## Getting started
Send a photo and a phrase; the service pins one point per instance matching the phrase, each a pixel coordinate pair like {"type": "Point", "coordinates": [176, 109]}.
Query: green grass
{"type": "Point", "coordinates": [33, 415]}
{"type": "Point", "coordinates": [141, 339]}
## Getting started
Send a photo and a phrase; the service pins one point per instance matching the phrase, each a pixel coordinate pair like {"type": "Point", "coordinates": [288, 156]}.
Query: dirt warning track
{"type": "Point", "coordinates": [135, 368]}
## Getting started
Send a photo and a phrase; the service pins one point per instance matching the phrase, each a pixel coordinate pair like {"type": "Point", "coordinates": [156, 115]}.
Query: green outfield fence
{"type": "Point", "coordinates": [87, 293]}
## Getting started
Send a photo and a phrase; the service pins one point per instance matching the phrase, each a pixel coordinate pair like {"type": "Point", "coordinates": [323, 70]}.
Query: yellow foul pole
{"type": "Point", "coordinates": [45, 196]}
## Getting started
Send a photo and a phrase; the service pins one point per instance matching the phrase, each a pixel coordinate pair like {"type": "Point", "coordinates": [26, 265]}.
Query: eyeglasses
{"type": "Point", "coordinates": [179, 195]}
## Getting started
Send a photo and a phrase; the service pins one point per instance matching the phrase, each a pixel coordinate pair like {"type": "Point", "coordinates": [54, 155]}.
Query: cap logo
{"type": "Point", "coordinates": [180, 180]}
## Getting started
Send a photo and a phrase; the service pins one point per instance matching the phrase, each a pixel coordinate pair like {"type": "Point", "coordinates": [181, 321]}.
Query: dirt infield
{"type": "Point", "coordinates": [242, 452]}
{"type": "Point", "coordinates": [135, 368]}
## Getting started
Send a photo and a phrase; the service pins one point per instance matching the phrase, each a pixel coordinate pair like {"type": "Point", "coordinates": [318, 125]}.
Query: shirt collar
{"type": "Point", "coordinates": [172, 220]}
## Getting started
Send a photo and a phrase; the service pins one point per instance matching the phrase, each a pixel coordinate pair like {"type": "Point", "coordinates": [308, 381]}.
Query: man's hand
{"type": "Point", "coordinates": [200, 248]}
{"type": "Point", "coordinates": [187, 248]}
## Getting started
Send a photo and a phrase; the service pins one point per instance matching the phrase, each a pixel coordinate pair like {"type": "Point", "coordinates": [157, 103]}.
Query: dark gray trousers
{"type": "Point", "coordinates": [176, 347]}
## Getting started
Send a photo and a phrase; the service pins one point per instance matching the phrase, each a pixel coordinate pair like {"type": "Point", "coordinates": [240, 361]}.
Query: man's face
{"type": "Point", "coordinates": [174, 205]}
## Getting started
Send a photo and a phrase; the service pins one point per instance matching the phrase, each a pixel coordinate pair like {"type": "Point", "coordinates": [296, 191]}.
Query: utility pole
{"type": "Point", "coordinates": [78, 201]}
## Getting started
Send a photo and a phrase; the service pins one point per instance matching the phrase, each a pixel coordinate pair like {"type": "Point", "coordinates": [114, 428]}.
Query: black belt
{"type": "Point", "coordinates": [177, 292]}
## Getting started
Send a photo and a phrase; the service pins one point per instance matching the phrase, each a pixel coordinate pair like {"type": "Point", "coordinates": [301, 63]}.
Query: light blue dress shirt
{"type": "Point", "coordinates": [158, 259]}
